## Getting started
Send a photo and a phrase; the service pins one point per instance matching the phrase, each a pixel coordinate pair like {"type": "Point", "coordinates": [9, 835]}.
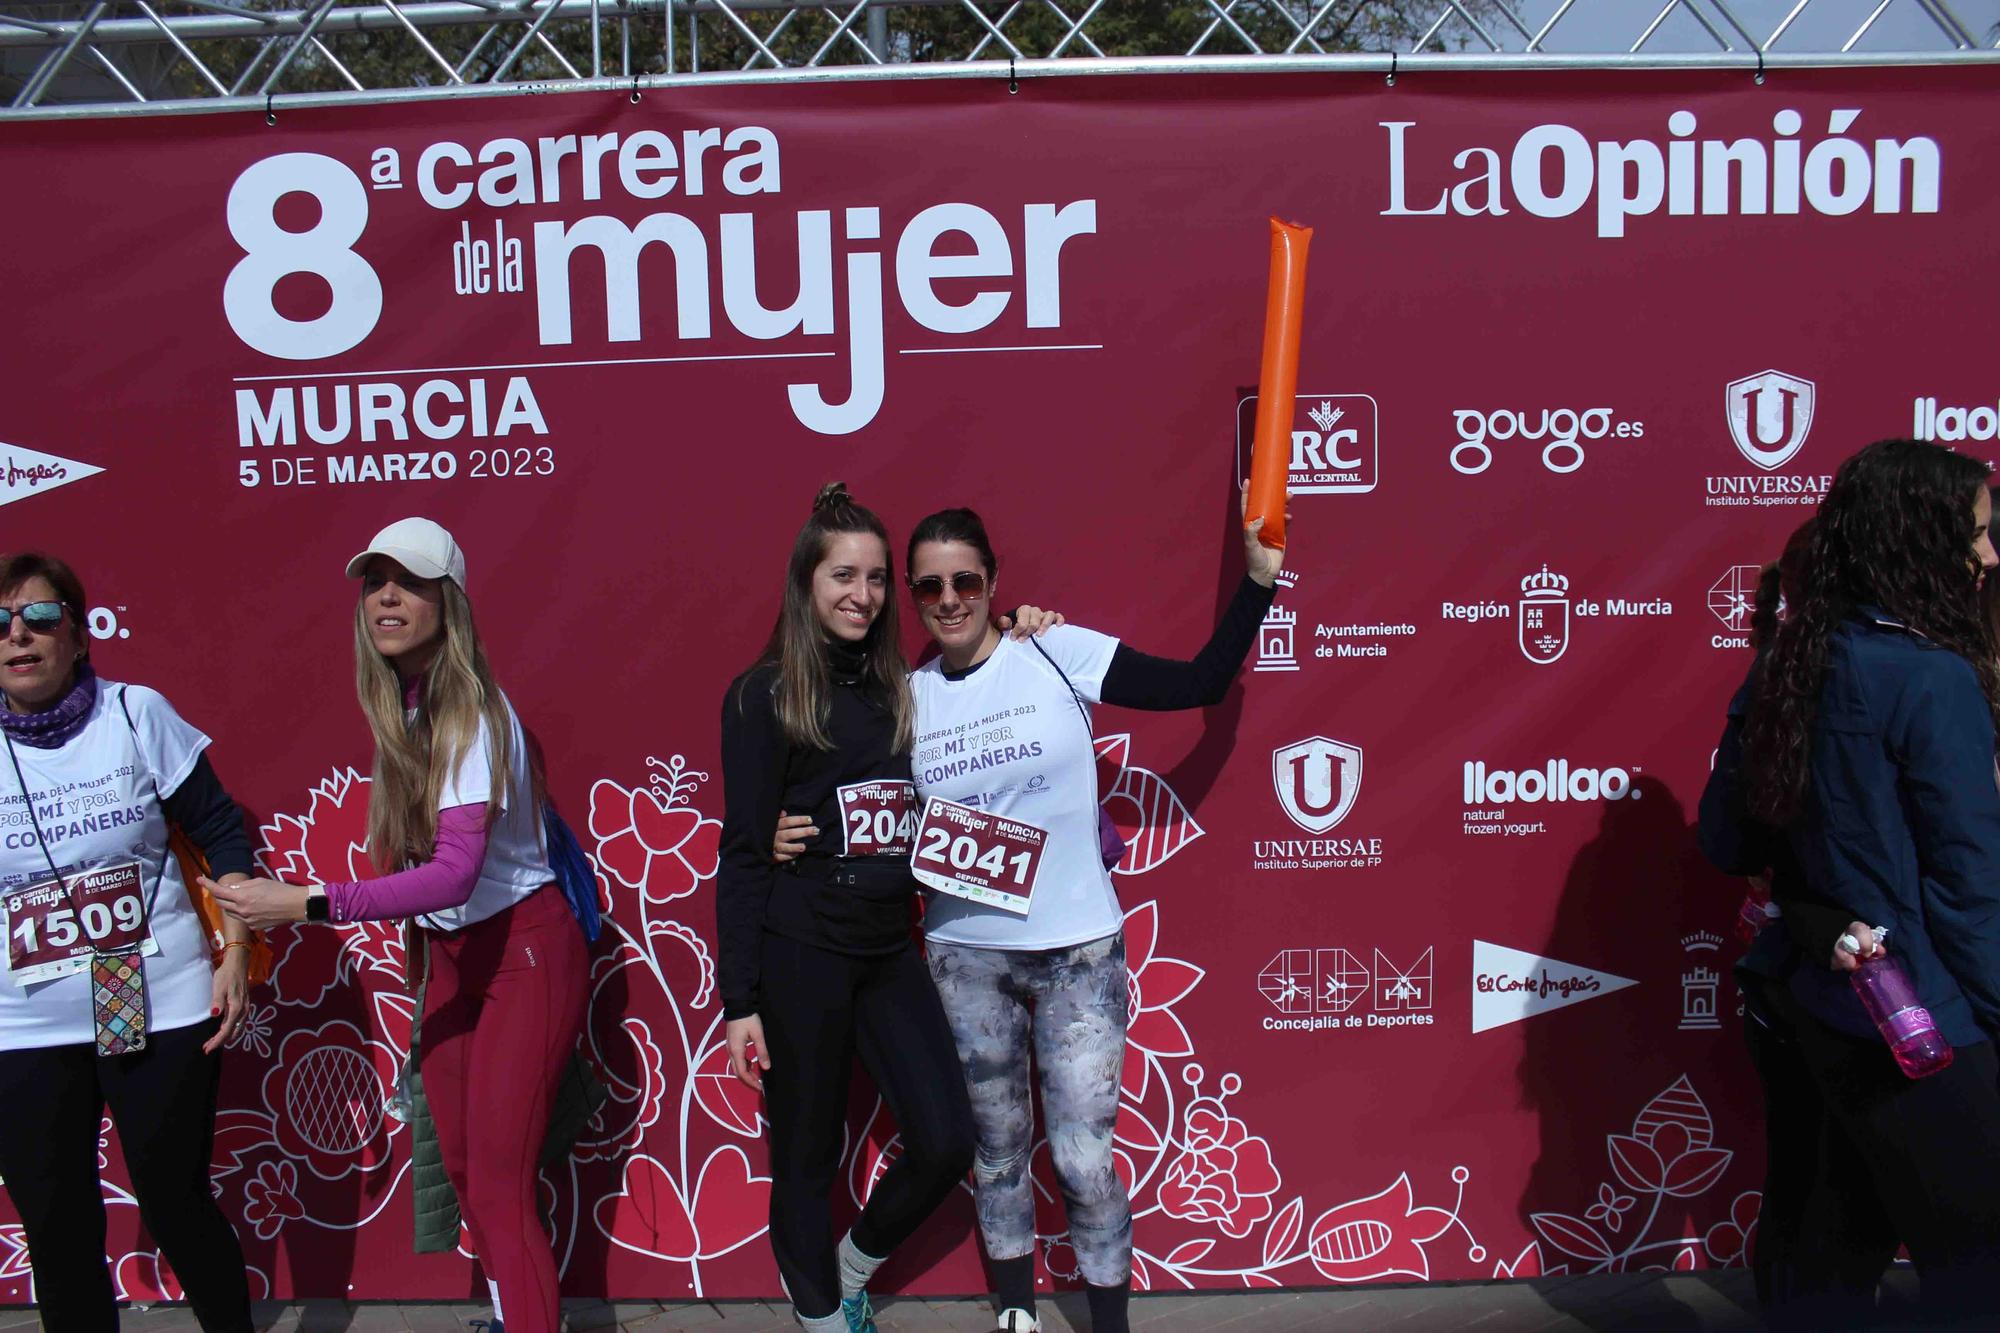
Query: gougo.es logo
{"type": "Point", "coordinates": [1561, 432]}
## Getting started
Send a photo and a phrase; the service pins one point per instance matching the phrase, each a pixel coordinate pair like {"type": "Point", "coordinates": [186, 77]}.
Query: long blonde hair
{"type": "Point", "coordinates": [414, 757]}
{"type": "Point", "coordinates": [797, 647]}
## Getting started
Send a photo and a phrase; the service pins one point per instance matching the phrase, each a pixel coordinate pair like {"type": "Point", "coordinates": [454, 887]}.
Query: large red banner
{"type": "Point", "coordinates": [1428, 980]}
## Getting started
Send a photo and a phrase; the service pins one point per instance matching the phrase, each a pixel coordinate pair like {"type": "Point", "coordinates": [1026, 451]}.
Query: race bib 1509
{"type": "Point", "coordinates": [54, 927]}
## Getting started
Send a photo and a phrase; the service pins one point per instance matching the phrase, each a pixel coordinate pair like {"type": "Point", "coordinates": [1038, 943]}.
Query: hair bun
{"type": "Point", "coordinates": [831, 496]}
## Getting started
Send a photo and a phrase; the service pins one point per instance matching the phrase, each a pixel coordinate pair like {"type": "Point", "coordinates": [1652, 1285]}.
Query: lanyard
{"type": "Point", "coordinates": [35, 823]}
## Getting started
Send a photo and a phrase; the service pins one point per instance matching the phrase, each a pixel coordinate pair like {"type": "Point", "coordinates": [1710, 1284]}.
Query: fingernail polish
{"type": "Point", "coordinates": [213, 1012]}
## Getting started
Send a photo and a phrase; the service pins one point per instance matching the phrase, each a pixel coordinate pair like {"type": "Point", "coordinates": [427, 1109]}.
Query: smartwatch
{"type": "Point", "coordinates": [318, 906]}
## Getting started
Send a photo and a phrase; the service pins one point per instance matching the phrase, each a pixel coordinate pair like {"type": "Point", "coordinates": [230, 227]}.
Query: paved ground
{"type": "Point", "coordinates": [1630, 1304]}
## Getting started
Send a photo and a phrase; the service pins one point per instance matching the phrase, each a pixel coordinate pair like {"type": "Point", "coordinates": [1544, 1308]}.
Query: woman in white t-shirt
{"type": "Point", "coordinates": [110, 997]}
{"type": "Point", "coordinates": [455, 823]}
{"type": "Point", "coordinates": [1023, 927]}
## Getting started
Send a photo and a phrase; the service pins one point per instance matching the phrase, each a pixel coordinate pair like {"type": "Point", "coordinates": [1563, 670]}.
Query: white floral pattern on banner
{"type": "Point", "coordinates": [671, 1167]}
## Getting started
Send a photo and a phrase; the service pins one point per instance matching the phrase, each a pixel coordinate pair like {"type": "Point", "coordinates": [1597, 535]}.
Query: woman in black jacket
{"type": "Point", "coordinates": [817, 959]}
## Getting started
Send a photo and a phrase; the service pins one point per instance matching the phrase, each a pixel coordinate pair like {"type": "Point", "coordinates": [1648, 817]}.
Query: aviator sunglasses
{"type": "Point", "coordinates": [929, 590]}
{"type": "Point", "coordinates": [43, 616]}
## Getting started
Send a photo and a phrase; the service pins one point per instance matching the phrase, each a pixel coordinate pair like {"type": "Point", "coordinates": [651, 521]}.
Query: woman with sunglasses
{"type": "Point", "coordinates": [1028, 955]}
{"type": "Point", "coordinates": [455, 822]}
{"type": "Point", "coordinates": [110, 998]}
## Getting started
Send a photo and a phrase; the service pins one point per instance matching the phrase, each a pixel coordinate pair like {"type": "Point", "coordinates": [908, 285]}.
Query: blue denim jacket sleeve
{"type": "Point", "coordinates": [1940, 733]}
{"type": "Point", "coordinates": [1733, 842]}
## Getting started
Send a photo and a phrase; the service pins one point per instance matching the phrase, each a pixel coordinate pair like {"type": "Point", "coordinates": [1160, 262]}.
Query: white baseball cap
{"type": "Point", "coordinates": [418, 545]}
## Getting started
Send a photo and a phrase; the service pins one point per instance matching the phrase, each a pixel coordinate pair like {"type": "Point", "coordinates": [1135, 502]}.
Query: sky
{"type": "Point", "coordinates": [1596, 26]}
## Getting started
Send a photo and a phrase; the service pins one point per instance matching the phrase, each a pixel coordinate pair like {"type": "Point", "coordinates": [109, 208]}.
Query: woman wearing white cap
{"type": "Point", "coordinates": [455, 823]}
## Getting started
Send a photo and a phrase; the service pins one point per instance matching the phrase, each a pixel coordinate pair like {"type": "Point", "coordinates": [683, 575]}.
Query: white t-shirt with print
{"type": "Point", "coordinates": [516, 861]}
{"type": "Point", "coordinates": [97, 800]}
{"type": "Point", "coordinates": [1008, 738]}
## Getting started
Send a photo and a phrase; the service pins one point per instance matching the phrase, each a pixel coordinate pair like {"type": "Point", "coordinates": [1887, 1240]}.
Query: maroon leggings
{"type": "Point", "coordinates": [502, 1010]}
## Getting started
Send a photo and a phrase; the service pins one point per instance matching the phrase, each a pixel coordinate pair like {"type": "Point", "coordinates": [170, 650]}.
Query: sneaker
{"type": "Point", "coordinates": [1019, 1321]}
{"type": "Point", "coordinates": [860, 1315]}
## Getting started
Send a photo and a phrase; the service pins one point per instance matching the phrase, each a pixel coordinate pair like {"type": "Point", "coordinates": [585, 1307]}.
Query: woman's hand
{"type": "Point", "coordinates": [230, 998]}
{"type": "Point", "coordinates": [1029, 622]}
{"type": "Point", "coordinates": [1866, 946]}
{"type": "Point", "coordinates": [747, 1057]}
{"type": "Point", "coordinates": [1264, 563]}
{"type": "Point", "coordinates": [794, 832]}
{"type": "Point", "coordinates": [259, 903]}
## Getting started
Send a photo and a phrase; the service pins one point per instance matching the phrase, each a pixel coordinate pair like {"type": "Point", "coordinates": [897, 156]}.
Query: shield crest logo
{"type": "Point", "coordinates": [1544, 628]}
{"type": "Point", "coordinates": [1317, 780]}
{"type": "Point", "coordinates": [1769, 416]}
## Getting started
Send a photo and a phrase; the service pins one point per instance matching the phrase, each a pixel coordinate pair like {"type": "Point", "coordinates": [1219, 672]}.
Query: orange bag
{"type": "Point", "coordinates": [1278, 381]}
{"type": "Point", "coordinates": [194, 864]}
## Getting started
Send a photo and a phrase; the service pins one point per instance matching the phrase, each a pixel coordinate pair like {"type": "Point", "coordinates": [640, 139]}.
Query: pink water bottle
{"type": "Point", "coordinates": [1885, 991]}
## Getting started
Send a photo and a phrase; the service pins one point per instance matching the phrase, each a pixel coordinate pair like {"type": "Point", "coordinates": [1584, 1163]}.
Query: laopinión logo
{"type": "Point", "coordinates": [1317, 781]}
{"type": "Point", "coordinates": [1544, 612]}
{"type": "Point", "coordinates": [1323, 990]}
{"type": "Point", "coordinates": [1488, 792]}
{"type": "Point", "coordinates": [1335, 443]}
{"type": "Point", "coordinates": [1769, 416]}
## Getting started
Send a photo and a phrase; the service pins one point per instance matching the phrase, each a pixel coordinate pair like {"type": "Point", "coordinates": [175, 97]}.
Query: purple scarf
{"type": "Point", "coordinates": [55, 727]}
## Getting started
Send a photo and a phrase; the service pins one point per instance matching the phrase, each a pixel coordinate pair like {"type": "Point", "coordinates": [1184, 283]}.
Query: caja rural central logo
{"type": "Point", "coordinates": [1334, 443]}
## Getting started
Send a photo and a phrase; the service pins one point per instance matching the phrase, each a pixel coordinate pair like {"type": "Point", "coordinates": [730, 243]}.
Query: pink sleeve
{"type": "Point", "coordinates": [446, 880]}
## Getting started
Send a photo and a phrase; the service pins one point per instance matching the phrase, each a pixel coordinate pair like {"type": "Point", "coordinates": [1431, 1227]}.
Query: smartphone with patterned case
{"type": "Point", "coordinates": [118, 1002]}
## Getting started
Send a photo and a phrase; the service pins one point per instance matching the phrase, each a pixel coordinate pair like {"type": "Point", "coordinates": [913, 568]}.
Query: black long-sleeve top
{"type": "Point", "coordinates": [1139, 680]}
{"type": "Point", "coordinates": [763, 773]}
{"type": "Point", "coordinates": [211, 819]}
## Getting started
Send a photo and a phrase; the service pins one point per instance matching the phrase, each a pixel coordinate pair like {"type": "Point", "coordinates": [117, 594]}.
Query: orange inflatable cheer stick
{"type": "Point", "coordinates": [1278, 382]}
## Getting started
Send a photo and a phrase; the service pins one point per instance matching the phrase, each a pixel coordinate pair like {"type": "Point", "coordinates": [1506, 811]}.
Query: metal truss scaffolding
{"type": "Point", "coordinates": [121, 56]}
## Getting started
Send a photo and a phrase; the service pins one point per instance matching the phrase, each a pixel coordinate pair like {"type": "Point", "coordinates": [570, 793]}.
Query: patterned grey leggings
{"type": "Point", "coordinates": [1068, 1007]}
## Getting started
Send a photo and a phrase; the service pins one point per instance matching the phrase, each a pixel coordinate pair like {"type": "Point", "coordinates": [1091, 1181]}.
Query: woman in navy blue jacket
{"type": "Point", "coordinates": [1869, 740]}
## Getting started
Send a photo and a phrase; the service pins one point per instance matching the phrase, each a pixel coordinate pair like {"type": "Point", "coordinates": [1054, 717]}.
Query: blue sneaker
{"type": "Point", "coordinates": [860, 1315]}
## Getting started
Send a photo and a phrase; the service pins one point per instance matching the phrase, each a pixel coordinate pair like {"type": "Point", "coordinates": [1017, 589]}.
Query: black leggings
{"type": "Point", "coordinates": [162, 1100]}
{"type": "Point", "coordinates": [1821, 1249]}
{"type": "Point", "coordinates": [819, 1010]}
{"type": "Point", "coordinates": [1931, 1149]}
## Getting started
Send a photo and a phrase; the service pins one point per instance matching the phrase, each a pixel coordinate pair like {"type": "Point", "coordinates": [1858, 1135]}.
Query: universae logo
{"type": "Point", "coordinates": [1317, 781]}
{"type": "Point", "coordinates": [1770, 414]}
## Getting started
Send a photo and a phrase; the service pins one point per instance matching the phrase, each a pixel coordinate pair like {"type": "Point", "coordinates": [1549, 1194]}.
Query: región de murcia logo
{"type": "Point", "coordinates": [1544, 612]}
